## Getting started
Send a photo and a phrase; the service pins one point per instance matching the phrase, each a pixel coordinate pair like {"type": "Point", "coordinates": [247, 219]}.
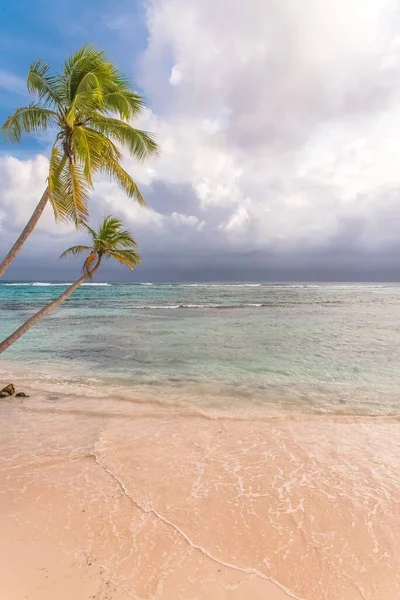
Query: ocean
{"type": "Point", "coordinates": [322, 347]}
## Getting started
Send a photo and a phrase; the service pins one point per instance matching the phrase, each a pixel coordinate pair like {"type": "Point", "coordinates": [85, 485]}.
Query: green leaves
{"type": "Point", "coordinates": [123, 103]}
{"type": "Point", "coordinates": [109, 241]}
{"type": "Point", "coordinates": [85, 60]}
{"type": "Point", "coordinates": [140, 144]}
{"type": "Point", "coordinates": [76, 192]}
{"type": "Point", "coordinates": [112, 241]}
{"type": "Point", "coordinates": [89, 103]}
{"type": "Point", "coordinates": [76, 250]}
{"type": "Point", "coordinates": [55, 184]}
{"type": "Point", "coordinates": [125, 181]}
{"type": "Point", "coordinates": [44, 85]}
{"type": "Point", "coordinates": [128, 258]}
{"type": "Point", "coordinates": [69, 188]}
{"type": "Point", "coordinates": [28, 119]}
{"type": "Point", "coordinates": [84, 151]}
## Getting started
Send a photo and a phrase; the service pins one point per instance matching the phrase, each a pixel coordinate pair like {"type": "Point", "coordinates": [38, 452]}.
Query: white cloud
{"type": "Point", "coordinates": [176, 75]}
{"type": "Point", "coordinates": [238, 221]}
{"type": "Point", "coordinates": [190, 220]}
{"type": "Point", "coordinates": [278, 119]}
{"type": "Point", "coordinates": [304, 102]}
{"type": "Point", "coordinates": [23, 183]}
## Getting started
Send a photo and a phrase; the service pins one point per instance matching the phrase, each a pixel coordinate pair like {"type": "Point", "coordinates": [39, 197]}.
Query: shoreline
{"type": "Point", "coordinates": [176, 503]}
{"type": "Point", "coordinates": [206, 399]}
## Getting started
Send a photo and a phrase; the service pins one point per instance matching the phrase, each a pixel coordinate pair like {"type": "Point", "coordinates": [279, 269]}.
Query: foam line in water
{"type": "Point", "coordinates": [48, 284]}
{"type": "Point", "coordinates": [36, 284]}
{"type": "Point", "coordinates": [175, 306]}
{"type": "Point", "coordinates": [40, 284]}
{"type": "Point", "coordinates": [219, 285]}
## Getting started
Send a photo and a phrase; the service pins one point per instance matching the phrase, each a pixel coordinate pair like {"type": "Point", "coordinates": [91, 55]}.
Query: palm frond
{"type": "Point", "coordinates": [76, 250]}
{"type": "Point", "coordinates": [45, 85]}
{"type": "Point", "coordinates": [82, 150]}
{"type": "Point", "coordinates": [77, 190]}
{"type": "Point", "coordinates": [86, 54]}
{"type": "Point", "coordinates": [102, 146]}
{"type": "Point", "coordinates": [125, 103]}
{"type": "Point", "coordinates": [89, 60]}
{"type": "Point", "coordinates": [114, 170]}
{"type": "Point", "coordinates": [89, 96]}
{"type": "Point", "coordinates": [93, 149]}
{"type": "Point", "coordinates": [108, 229]}
{"type": "Point", "coordinates": [90, 230]}
{"type": "Point", "coordinates": [129, 258]}
{"type": "Point", "coordinates": [117, 81]}
{"type": "Point", "coordinates": [78, 64]}
{"type": "Point", "coordinates": [83, 105]}
{"type": "Point", "coordinates": [56, 184]}
{"type": "Point", "coordinates": [91, 80]}
{"type": "Point", "coordinates": [28, 119]}
{"type": "Point", "coordinates": [141, 144]}
{"type": "Point", "coordinates": [124, 239]}
{"type": "Point", "coordinates": [117, 102]}
{"type": "Point", "coordinates": [104, 76]}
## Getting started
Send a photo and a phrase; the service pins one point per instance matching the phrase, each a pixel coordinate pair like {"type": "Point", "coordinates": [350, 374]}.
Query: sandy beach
{"type": "Point", "coordinates": [117, 497]}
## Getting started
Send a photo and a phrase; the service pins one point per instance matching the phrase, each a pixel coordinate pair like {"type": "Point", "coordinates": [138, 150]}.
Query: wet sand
{"type": "Point", "coordinates": [117, 496]}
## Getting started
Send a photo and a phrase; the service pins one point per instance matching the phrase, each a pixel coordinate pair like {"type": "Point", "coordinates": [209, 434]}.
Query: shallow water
{"type": "Point", "coordinates": [325, 347]}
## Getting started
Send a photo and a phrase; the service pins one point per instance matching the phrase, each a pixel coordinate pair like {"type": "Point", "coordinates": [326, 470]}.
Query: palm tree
{"type": "Point", "coordinates": [88, 105]}
{"type": "Point", "coordinates": [109, 241]}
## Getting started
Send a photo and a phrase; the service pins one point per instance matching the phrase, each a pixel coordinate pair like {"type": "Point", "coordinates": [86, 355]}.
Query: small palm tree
{"type": "Point", "coordinates": [109, 241]}
{"type": "Point", "coordinates": [88, 105]}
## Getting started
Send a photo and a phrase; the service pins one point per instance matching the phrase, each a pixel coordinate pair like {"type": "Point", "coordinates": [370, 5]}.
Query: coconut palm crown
{"type": "Point", "coordinates": [109, 241]}
{"type": "Point", "coordinates": [88, 105]}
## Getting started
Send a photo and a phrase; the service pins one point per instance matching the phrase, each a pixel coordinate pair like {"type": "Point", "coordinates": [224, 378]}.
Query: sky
{"type": "Point", "coordinates": [279, 132]}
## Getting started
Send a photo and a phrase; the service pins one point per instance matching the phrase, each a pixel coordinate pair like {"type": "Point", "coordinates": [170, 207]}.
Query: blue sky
{"type": "Point", "coordinates": [276, 123]}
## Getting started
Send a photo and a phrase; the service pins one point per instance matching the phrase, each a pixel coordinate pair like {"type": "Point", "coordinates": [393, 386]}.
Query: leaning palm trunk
{"type": "Point", "coordinates": [37, 213]}
{"type": "Point", "coordinates": [30, 226]}
{"type": "Point", "coordinates": [47, 309]}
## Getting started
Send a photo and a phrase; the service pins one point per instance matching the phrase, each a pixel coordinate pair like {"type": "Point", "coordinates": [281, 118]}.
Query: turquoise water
{"type": "Point", "coordinates": [328, 347]}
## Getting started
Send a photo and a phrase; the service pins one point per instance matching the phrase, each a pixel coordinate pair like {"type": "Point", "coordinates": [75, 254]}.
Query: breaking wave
{"type": "Point", "coordinates": [175, 306]}
{"type": "Point", "coordinates": [46, 284]}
